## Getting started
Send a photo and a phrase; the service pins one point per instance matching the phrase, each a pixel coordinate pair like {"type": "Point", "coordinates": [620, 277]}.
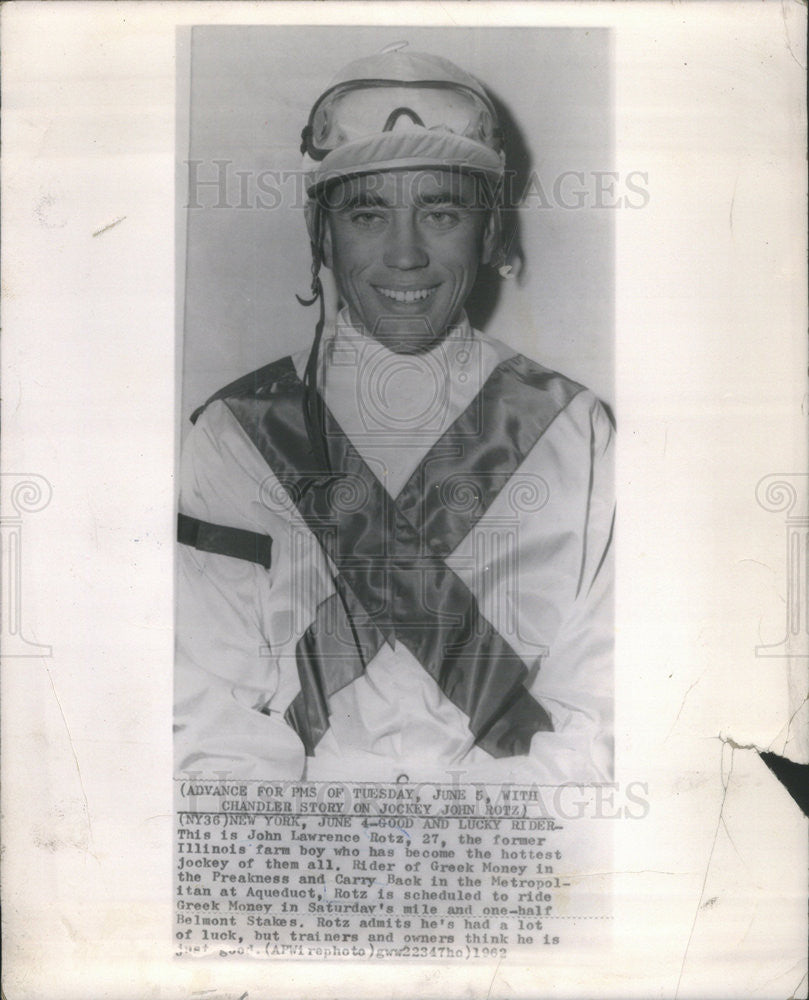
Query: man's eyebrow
{"type": "Point", "coordinates": [370, 199]}
{"type": "Point", "coordinates": [443, 198]}
{"type": "Point", "coordinates": [361, 199]}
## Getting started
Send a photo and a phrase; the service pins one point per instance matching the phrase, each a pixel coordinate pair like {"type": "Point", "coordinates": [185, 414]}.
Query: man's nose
{"type": "Point", "coordinates": [404, 249]}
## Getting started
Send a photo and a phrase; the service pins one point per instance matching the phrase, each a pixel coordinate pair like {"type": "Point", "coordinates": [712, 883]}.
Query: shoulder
{"type": "Point", "coordinates": [262, 383]}
{"type": "Point", "coordinates": [532, 384]}
{"type": "Point", "coordinates": [223, 474]}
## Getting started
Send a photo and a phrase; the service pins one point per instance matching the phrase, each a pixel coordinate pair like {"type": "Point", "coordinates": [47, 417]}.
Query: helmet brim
{"type": "Point", "coordinates": [416, 149]}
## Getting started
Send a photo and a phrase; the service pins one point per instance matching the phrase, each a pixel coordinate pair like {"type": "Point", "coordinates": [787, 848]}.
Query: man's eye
{"type": "Point", "coordinates": [442, 218]}
{"type": "Point", "coordinates": [367, 220]}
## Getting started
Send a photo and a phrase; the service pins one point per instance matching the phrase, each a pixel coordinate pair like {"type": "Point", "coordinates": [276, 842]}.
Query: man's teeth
{"type": "Point", "coordinates": [410, 296]}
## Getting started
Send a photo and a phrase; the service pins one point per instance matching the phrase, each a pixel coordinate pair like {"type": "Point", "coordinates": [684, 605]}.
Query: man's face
{"type": "Point", "coordinates": [405, 247]}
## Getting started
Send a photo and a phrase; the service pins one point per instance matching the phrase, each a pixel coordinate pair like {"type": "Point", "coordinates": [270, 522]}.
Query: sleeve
{"type": "Point", "coordinates": [575, 680]}
{"type": "Point", "coordinates": [226, 676]}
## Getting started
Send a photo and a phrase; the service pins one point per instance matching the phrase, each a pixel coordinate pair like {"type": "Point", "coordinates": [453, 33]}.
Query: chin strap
{"type": "Point", "coordinates": [499, 261]}
{"type": "Point", "coordinates": [313, 405]}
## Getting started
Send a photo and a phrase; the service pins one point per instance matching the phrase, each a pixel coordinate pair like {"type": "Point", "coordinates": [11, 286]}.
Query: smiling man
{"type": "Point", "coordinates": [405, 247]}
{"type": "Point", "coordinates": [396, 545]}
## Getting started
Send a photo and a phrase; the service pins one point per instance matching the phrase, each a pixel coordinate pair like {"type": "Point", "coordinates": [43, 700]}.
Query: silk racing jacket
{"type": "Point", "coordinates": [438, 604]}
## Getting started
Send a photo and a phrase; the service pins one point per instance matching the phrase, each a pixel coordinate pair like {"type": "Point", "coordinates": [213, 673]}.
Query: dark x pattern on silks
{"type": "Point", "coordinates": [391, 579]}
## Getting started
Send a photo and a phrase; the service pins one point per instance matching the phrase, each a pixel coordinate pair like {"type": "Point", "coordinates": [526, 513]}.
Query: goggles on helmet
{"type": "Point", "coordinates": [360, 108]}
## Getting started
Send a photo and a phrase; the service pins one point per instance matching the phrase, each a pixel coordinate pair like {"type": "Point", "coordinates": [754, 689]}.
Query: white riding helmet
{"type": "Point", "coordinates": [401, 111]}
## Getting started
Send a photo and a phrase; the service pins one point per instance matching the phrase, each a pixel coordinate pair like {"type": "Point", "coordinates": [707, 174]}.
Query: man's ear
{"type": "Point", "coordinates": [317, 223]}
{"type": "Point", "coordinates": [492, 237]}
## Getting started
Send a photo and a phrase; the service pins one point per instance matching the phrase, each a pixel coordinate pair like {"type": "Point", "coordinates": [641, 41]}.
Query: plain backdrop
{"type": "Point", "coordinates": [249, 91]}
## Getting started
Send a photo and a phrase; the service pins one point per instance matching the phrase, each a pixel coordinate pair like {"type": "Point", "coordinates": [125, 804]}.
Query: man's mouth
{"type": "Point", "coordinates": [409, 295]}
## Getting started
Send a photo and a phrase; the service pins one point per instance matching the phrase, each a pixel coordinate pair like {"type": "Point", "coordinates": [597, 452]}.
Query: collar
{"type": "Point", "coordinates": [374, 390]}
{"type": "Point", "coordinates": [460, 331]}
